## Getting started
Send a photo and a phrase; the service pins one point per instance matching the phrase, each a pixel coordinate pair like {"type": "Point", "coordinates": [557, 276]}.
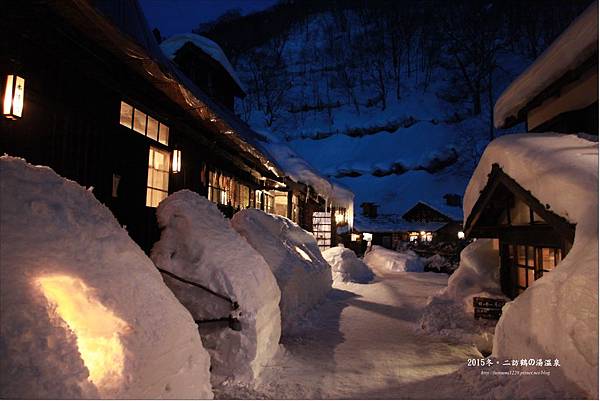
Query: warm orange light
{"type": "Point", "coordinates": [14, 94]}
{"type": "Point", "coordinates": [176, 161]}
{"type": "Point", "coordinates": [96, 327]}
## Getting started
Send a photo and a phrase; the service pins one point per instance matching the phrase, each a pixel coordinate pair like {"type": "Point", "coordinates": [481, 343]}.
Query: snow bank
{"type": "Point", "coordinates": [450, 313]}
{"type": "Point", "coordinates": [83, 312]}
{"type": "Point", "coordinates": [198, 244]}
{"type": "Point", "coordinates": [345, 266]}
{"type": "Point", "coordinates": [304, 277]}
{"type": "Point", "coordinates": [562, 172]}
{"type": "Point", "coordinates": [386, 260]}
{"type": "Point", "coordinates": [171, 45]}
{"type": "Point", "coordinates": [575, 45]}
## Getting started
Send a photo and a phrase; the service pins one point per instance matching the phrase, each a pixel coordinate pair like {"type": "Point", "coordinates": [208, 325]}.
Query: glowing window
{"type": "Point", "coordinates": [152, 129]}
{"type": "Point", "coordinates": [139, 122]}
{"type": "Point", "coordinates": [143, 123]}
{"type": "Point", "coordinates": [126, 115]}
{"type": "Point", "coordinates": [163, 134]}
{"type": "Point", "coordinates": [158, 176]}
{"type": "Point", "coordinates": [97, 329]}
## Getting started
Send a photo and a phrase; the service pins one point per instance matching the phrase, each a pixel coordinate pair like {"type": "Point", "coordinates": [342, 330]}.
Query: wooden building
{"type": "Point", "coordinates": [88, 92]}
{"type": "Point", "coordinates": [421, 223]}
{"type": "Point", "coordinates": [532, 239]}
{"type": "Point", "coordinates": [559, 92]}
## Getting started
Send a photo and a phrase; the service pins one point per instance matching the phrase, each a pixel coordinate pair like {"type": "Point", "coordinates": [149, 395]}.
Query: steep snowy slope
{"type": "Point", "coordinates": [419, 144]}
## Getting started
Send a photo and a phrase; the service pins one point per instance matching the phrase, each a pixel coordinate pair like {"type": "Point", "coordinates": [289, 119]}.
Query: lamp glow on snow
{"type": "Point", "coordinates": [461, 235]}
{"type": "Point", "coordinates": [97, 328]}
{"type": "Point", "coordinates": [14, 94]}
{"type": "Point", "coordinates": [176, 161]}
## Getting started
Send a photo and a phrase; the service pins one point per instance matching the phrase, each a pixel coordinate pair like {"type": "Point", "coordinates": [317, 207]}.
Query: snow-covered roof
{"type": "Point", "coordinates": [301, 171]}
{"type": "Point", "coordinates": [559, 170]}
{"type": "Point", "coordinates": [385, 223]}
{"type": "Point", "coordinates": [452, 212]}
{"type": "Point", "coordinates": [172, 45]}
{"type": "Point", "coordinates": [574, 46]}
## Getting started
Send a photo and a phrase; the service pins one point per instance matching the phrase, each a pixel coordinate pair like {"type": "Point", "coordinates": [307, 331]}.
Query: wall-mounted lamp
{"type": "Point", "coordinates": [14, 93]}
{"type": "Point", "coordinates": [176, 161]}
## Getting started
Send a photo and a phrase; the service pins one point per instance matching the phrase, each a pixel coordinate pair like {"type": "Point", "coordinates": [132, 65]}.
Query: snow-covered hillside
{"type": "Point", "coordinates": [393, 142]}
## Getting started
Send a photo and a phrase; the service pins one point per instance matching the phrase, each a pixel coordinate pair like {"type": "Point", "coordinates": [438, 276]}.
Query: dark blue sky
{"type": "Point", "coordinates": [180, 16]}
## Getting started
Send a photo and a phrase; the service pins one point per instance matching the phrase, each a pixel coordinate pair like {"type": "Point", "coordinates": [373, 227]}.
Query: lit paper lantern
{"type": "Point", "coordinates": [14, 93]}
{"type": "Point", "coordinates": [176, 161]}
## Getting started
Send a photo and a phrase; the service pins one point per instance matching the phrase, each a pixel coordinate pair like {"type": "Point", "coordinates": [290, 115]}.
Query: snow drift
{"type": "Point", "coordinates": [450, 313]}
{"type": "Point", "coordinates": [345, 266]}
{"type": "Point", "coordinates": [198, 244]}
{"type": "Point", "coordinates": [562, 172]}
{"type": "Point", "coordinates": [304, 277]}
{"type": "Point", "coordinates": [83, 311]}
{"type": "Point", "coordinates": [386, 260]}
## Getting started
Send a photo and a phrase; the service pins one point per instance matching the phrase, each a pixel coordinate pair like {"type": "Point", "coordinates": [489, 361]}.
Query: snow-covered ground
{"type": "Point", "coordinates": [363, 342]}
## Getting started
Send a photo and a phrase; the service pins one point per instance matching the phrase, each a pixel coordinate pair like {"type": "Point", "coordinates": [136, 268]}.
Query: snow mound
{"type": "Point", "coordinates": [304, 277]}
{"type": "Point", "coordinates": [573, 47]}
{"type": "Point", "coordinates": [83, 312]}
{"type": "Point", "coordinates": [198, 244]}
{"type": "Point", "coordinates": [561, 171]}
{"type": "Point", "coordinates": [386, 260]}
{"type": "Point", "coordinates": [345, 266]}
{"type": "Point", "coordinates": [171, 45]}
{"type": "Point", "coordinates": [450, 313]}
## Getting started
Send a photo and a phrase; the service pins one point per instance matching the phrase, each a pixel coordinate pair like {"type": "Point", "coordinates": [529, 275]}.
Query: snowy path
{"type": "Point", "coordinates": [362, 343]}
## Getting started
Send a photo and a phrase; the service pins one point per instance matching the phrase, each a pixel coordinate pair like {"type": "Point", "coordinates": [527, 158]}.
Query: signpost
{"type": "Point", "coordinates": [488, 308]}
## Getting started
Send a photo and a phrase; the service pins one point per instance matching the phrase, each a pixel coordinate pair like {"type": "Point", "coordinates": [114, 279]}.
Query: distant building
{"type": "Point", "coordinates": [420, 223]}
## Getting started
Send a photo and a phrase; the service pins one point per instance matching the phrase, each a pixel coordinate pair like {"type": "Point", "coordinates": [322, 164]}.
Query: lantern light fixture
{"type": "Point", "coordinates": [461, 235]}
{"type": "Point", "coordinates": [368, 237]}
{"type": "Point", "coordinates": [14, 94]}
{"type": "Point", "coordinates": [176, 161]}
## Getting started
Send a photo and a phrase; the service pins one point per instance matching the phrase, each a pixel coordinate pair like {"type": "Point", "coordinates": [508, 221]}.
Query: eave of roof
{"type": "Point", "coordinates": [141, 53]}
{"type": "Point", "coordinates": [573, 47]}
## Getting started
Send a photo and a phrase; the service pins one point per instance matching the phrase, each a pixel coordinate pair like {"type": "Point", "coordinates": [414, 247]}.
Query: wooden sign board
{"type": "Point", "coordinates": [488, 308]}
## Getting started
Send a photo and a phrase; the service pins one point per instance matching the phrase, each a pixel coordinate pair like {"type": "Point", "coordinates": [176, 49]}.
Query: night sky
{"type": "Point", "coordinates": [181, 16]}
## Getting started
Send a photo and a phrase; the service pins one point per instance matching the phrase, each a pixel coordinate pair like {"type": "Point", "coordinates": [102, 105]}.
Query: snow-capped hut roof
{"type": "Point", "coordinates": [560, 171]}
{"type": "Point", "coordinates": [121, 28]}
{"type": "Point", "coordinates": [173, 44]}
{"type": "Point", "coordinates": [574, 52]}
